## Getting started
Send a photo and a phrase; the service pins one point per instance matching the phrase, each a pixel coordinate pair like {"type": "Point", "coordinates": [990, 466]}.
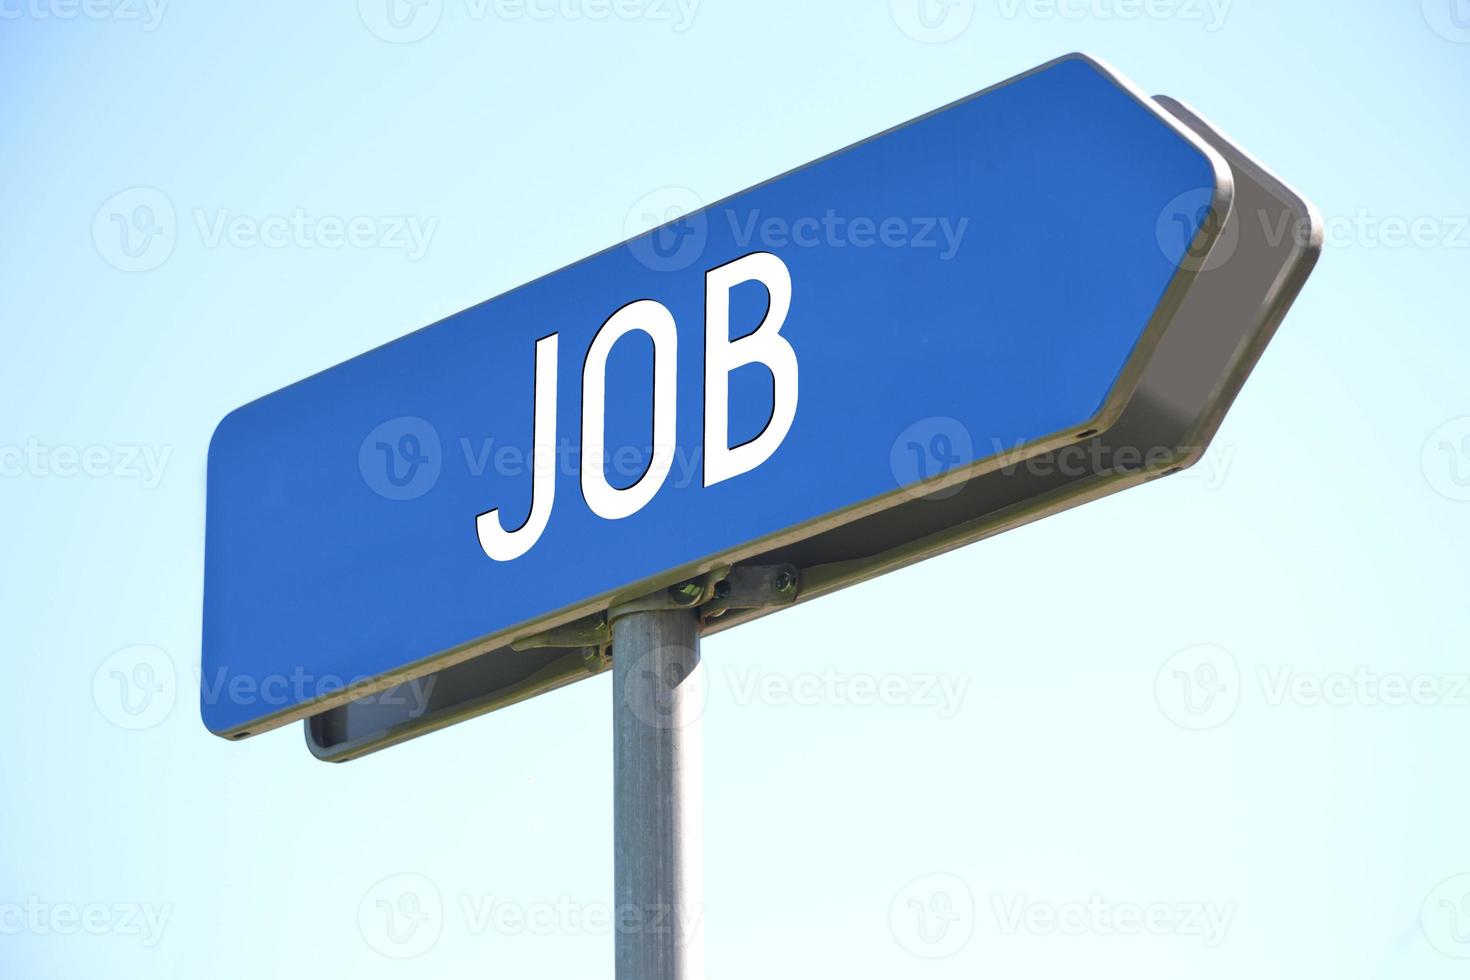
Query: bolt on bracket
{"type": "Point", "coordinates": [690, 594]}
{"type": "Point", "coordinates": [753, 587]}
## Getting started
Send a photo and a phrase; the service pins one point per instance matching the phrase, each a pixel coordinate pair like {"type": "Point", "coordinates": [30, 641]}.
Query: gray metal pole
{"type": "Point", "coordinates": [658, 796]}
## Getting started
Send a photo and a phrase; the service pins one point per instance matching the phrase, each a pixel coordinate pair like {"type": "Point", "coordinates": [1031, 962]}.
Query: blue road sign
{"type": "Point", "coordinates": [980, 282]}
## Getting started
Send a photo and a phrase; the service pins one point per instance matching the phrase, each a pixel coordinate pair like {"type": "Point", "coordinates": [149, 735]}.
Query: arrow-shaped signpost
{"type": "Point", "coordinates": [1041, 294]}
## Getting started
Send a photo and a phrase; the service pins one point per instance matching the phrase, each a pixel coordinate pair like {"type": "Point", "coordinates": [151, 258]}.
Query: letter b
{"type": "Point", "coordinates": [764, 345]}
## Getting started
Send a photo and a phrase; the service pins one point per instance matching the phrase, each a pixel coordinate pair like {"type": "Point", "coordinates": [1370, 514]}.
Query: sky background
{"type": "Point", "coordinates": [1043, 795]}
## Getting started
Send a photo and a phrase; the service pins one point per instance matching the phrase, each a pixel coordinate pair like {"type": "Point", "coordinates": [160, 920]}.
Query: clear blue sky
{"type": "Point", "coordinates": [1311, 824]}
